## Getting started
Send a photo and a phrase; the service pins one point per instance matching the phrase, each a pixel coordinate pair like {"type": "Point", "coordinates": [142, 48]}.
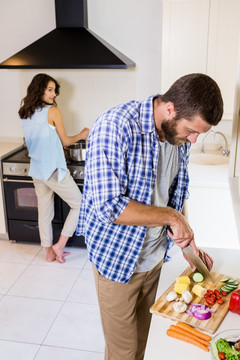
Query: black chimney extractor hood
{"type": "Point", "coordinates": [70, 46]}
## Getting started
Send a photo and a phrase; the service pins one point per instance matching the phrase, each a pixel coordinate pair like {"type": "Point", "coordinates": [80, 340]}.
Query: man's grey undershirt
{"type": "Point", "coordinates": [154, 246]}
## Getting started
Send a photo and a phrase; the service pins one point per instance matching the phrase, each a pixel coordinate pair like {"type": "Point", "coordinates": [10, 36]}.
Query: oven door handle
{"type": "Point", "coordinates": [18, 181]}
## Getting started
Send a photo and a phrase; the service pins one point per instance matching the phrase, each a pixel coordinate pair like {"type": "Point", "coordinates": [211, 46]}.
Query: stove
{"type": "Point", "coordinates": [18, 164]}
{"type": "Point", "coordinates": [20, 199]}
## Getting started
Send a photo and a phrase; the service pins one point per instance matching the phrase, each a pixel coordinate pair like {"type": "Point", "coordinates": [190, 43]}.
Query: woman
{"type": "Point", "coordinates": [45, 138]}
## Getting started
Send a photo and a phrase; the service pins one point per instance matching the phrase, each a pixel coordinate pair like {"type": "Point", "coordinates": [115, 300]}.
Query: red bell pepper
{"type": "Point", "coordinates": [234, 305]}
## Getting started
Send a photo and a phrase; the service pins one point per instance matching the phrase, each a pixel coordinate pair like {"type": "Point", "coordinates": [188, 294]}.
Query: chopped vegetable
{"type": "Point", "coordinates": [183, 280]}
{"type": "Point", "coordinates": [180, 287]}
{"type": "Point", "coordinates": [229, 285]}
{"type": "Point", "coordinates": [197, 277]}
{"type": "Point", "coordinates": [234, 305]}
{"type": "Point", "coordinates": [200, 311]}
{"type": "Point", "coordinates": [179, 307]}
{"type": "Point", "coordinates": [171, 296]}
{"type": "Point", "coordinates": [202, 314]}
{"type": "Point", "coordinates": [213, 296]}
{"type": "Point", "coordinates": [187, 296]}
{"type": "Point", "coordinates": [199, 290]}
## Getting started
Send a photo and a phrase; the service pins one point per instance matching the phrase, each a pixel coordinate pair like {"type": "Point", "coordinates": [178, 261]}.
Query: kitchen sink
{"type": "Point", "coordinates": [208, 159]}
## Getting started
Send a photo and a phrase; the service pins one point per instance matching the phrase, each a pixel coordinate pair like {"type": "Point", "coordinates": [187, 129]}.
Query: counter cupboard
{"type": "Point", "coordinates": [201, 36]}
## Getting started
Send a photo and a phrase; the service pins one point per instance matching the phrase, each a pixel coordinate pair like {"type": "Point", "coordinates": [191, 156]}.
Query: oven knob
{"type": "Point", "coordinates": [75, 173]}
{"type": "Point", "coordinates": [12, 169]}
{"type": "Point", "coordinates": [81, 173]}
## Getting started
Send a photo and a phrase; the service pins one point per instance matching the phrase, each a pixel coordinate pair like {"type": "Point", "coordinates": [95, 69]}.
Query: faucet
{"type": "Point", "coordinates": [202, 146]}
{"type": "Point", "coordinates": [225, 150]}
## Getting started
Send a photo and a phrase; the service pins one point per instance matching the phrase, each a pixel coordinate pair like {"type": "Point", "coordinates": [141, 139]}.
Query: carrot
{"type": "Point", "coordinates": [182, 331]}
{"type": "Point", "coordinates": [178, 335]}
{"type": "Point", "coordinates": [193, 331]}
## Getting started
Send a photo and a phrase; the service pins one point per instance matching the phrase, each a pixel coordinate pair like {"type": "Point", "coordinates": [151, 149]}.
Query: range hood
{"type": "Point", "coordinates": [70, 46]}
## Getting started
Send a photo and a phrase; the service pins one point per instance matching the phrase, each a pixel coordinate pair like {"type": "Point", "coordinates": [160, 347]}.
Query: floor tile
{"type": "Point", "coordinates": [77, 327]}
{"type": "Point", "coordinates": [9, 273]}
{"type": "Point", "coordinates": [77, 259]}
{"type": "Point", "coordinates": [9, 349]}
{"type": "Point", "coordinates": [26, 320]}
{"type": "Point", "coordinates": [17, 253]}
{"type": "Point", "coordinates": [84, 290]}
{"type": "Point", "coordinates": [88, 265]}
{"type": "Point", "coordinates": [50, 353]}
{"type": "Point", "coordinates": [45, 282]}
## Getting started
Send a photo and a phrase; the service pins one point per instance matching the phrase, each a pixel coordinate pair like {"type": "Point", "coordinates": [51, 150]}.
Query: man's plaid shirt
{"type": "Point", "coordinates": [121, 164]}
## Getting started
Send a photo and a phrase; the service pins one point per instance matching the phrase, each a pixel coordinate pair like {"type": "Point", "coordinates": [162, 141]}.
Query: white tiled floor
{"type": "Point", "coordinates": [47, 310]}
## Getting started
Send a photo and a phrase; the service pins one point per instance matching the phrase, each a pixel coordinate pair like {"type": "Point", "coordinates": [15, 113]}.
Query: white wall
{"type": "Point", "coordinates": [132, 26]}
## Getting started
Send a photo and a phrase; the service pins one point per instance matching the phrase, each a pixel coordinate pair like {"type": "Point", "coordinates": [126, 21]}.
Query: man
{"type": "Point", "coordinates": [136, 182]}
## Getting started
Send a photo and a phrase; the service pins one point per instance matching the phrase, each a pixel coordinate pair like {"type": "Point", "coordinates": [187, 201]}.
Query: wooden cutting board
{"type": "Point", "coordinates": [164, 308]}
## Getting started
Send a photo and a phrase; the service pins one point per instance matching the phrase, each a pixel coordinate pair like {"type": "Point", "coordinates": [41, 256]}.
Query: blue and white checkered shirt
{"type": "Point", "coordinates": [121, 163]}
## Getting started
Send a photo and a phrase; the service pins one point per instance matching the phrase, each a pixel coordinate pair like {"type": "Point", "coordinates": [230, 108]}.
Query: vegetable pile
{"type": "Point", "coordinates": [188, 334]}
{"type": "Point", "coordinates": [213, 296]}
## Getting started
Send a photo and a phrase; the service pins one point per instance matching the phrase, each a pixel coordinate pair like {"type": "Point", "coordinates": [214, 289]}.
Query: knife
{"type": "Point", "coordinates": [201, 267]}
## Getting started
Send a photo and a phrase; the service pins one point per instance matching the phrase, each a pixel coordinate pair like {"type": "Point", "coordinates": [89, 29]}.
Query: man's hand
{"type": "Point", "coordinates": [181, 232]}
{"type": "Point", "coordinates": [206, 259]}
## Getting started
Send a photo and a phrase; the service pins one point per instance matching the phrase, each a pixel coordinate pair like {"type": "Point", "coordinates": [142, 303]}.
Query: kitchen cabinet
{"type": "Point", "coordinates": [201, 36]}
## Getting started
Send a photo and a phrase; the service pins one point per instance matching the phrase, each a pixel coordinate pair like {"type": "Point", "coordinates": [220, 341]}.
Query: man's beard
{"type": "Point", "coordinates": [169, 128]}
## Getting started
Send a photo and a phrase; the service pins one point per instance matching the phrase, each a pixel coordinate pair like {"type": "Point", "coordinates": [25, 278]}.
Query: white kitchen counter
{"type": "Point", "coordinates": [6, 148]}
{"type": "Point", "coordinates": [208, 175]}
{"type": "Point", "coordinates": [161, 346]}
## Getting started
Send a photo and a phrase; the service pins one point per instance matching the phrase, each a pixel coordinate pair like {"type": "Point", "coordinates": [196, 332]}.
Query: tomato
{"type": "Point", "coordinates": [223, 293]}
{"type": "Point", "coordinates": [206, 295]}
{"type": "Point", "coordinates": [218, 297]}
{"type": "Point", "coordinates": [216, 292]}
{"type": "Point", "coordinates": [213, 297]}
{"type": "Point", "coordinates": [221, 356]}
{"type": "Point", "coordinates": [220, 301]}
{"type": "Point", "coordinates": [210, 292]}
{"type": "Point", "coordinates": [210, 301]}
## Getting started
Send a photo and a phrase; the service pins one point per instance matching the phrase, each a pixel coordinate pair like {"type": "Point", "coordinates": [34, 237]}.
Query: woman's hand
{"type": "Point", "coordinates": [84, 133]}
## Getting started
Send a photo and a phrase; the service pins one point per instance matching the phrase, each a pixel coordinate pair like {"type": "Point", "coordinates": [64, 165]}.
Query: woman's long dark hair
{"type": "Point", "coordinates": [35, 91]}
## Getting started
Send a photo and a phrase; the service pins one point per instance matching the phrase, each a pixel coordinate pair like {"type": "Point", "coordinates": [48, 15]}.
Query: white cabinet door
{"type": "Point", "coordinates": [224, 29]}
{"type": "Point", "coordinates": [201, 36]}
{"type": "Point", "coordinates": [184, 39]}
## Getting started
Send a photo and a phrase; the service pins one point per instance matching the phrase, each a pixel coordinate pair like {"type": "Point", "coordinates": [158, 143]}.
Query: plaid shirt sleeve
{"type": "Point", "coordinates": [107, 171]}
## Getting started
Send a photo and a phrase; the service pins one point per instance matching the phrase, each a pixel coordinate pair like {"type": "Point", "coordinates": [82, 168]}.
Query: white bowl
{"type": "Point", "coordinates": [229, 335]}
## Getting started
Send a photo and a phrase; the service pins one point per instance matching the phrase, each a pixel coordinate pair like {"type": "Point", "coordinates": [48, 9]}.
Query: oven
{"type": "Point", "coordinates": [21, 200]}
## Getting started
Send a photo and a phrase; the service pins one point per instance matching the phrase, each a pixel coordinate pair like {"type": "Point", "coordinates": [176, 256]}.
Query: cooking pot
{"type": "Point", "coordinates": [77, 151]}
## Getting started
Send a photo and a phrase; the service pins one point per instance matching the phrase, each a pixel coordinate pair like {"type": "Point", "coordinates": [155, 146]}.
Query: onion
{"type": "Point", "coordinates": [202, 314]}
{"type": "Point", "coordinates": [200, 311]}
